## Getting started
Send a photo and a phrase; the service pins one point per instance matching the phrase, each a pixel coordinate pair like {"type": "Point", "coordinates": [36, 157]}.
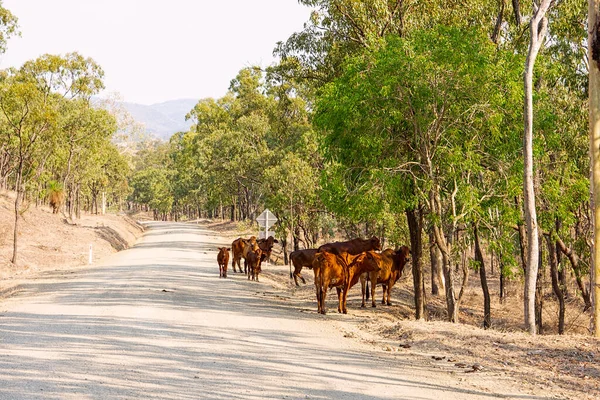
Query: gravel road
{"type": "Point", "coordinates": [156, 322]}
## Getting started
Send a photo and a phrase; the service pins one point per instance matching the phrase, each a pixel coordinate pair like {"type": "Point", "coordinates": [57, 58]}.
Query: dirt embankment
{"type": "Point", "coordinates": [50, 242]}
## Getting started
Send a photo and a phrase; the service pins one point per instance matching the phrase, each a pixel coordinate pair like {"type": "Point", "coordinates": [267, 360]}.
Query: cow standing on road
{"type": "Point", "coordinates": [223, 260]}
{"type": "Point", "coordinates": [339, 271]}
{"type": "Point", "coordinates": [391, 264]}
{"type": "Point", "coordinates": [299, 259]}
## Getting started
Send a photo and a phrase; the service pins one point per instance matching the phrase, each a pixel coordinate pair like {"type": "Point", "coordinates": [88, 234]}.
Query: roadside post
{"type": "Point", "coordinates": [266, 220]}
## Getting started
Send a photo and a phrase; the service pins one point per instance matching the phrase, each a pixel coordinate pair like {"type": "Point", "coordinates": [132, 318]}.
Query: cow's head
{"type": "Point", "coordinates": [375, 243]}
{"type": "Point", "coordinates": [402, 257]}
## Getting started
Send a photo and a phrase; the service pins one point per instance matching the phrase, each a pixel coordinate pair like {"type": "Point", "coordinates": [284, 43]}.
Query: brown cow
{"type": "Point", "coordinates": [339, 271]}
{"type": "Point", "coordinates": [354, 246]}
{"type": "Point", "coordinates": [299, 259]}
{"type": "Point", "coordinates": [239, 250]}
{"type": "Point", "coordinates": [253, 260]}
{"type": "Point", "coordinates": [266, 245]}
{"type": "Point", "coordinates": [391, 264]}
{"type": "Point", "coordinates": [223, 260]}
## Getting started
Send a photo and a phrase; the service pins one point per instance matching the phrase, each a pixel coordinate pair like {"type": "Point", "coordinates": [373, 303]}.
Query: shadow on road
{"type": "Point", "coordinates": [159, 323]}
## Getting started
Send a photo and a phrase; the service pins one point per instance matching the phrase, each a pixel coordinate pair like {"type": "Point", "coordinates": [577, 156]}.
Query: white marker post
{"type": "Point", "coordinates": [91, 256]}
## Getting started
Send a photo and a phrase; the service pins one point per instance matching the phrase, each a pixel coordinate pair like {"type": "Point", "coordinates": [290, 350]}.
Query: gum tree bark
{"type": "Point", "coordinates": [594, 104]}
{"type": "Point", "coordinates": [537, 28]}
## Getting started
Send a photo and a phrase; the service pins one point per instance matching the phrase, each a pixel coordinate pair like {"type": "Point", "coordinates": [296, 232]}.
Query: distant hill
{"type": "Point", "coordinates": [163, 119]}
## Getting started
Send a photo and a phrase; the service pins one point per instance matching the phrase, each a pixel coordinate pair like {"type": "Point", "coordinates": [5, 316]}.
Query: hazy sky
{"type": "Point", "coordinates": [156, 50]}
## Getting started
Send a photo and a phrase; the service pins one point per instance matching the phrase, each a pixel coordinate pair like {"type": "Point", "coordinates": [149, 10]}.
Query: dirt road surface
{"type": "Point", "coordinates": [156, 322]}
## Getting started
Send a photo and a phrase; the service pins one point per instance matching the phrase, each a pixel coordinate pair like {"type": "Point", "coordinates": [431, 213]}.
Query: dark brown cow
{"type": "Point", "coordinates": [354, 246]}
{"type": "Point", "coordinates": [391, 264]}
{"type": "Point", "coordinates": [339, 271]}
{"type": "Point", "coordinates": [239, 250]}
{"type": "Point", "coordinates": [299, 259]}
{"type": "Point", "coordinates": [266, 245]}
{"type": "Point", "coordinates": [223, 260]}
{"type": "Point", "coordinates": [253, 261]}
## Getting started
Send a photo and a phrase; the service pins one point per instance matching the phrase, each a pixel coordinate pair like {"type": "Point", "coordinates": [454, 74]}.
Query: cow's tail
{"type": "Point", "coordinates": [368, 291]}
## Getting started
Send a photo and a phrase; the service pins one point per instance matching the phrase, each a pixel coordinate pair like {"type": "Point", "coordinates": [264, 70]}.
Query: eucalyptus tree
{"type": "Point", "coordinates": [538, 26]}
{"type": "Point", "coordinates": [408, 123]}
{"type": "Point", "coordinates": [341, 28]}
{"type": "Point", "coordinates": [84, 131]}
{"type": "Point", "coordinates": [30, 100]}
{"type": "Point", "coordinates": [594, 136]}
{"type": "Point", "coordinates": [8, 27]}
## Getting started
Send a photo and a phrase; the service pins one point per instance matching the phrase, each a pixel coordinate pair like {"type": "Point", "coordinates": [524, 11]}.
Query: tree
{"type": "Point", "coordinates": [30, 99]}
{"type": "Point", "coordinates": [538, 26]}
{"type": "Point", "coordinates": [594, 109]}
{"type": "Point", "coordinates": [411, 120]}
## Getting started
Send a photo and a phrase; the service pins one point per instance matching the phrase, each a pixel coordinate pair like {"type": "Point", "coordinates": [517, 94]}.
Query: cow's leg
{"type": "Point", "coordinates": [340, 299]}
{"type": "Point", "coordinates": [225, 270]}
{"type": "Point", "coordinates": [344, 298]}
{"type": "Point", "coordinates": [373, 287]}
{"type": "Point", "coordinates": [389, 293]}
{"type": "Point", "coordinates": [245, 266]}
{"type": "Point", "coordinates": [317, 288]}
{"type": "Point", "coordinates": [384, 287]}
{"type": "Point", "coordinates": [323, 297]}
{"type": "Point", "coordinates": [296, 273]}
{"type": "Point", "coordinates": [318, 294]}
{"type": "Point", "coordinates": [363, 282]}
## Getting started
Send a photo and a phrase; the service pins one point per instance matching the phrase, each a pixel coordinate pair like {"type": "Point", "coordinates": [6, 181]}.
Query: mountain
{"type": "Point", "coordinates": [163, 119]}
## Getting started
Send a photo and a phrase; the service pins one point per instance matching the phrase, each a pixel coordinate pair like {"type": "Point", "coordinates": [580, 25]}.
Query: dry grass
{"type": "Point", "coordinates": [48, 242]}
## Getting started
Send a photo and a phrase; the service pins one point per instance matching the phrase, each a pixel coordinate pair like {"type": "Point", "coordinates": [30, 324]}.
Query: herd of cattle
{"type": "Point", "coordinates": [339, 264]}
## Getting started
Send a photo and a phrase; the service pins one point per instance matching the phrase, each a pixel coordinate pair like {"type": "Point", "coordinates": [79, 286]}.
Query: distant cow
{"type": "Point", "coordinates": [266, 245]}
{"type": "Point", "coordinates": [299, 259]}
{"type": "Point", "coordinates": [223, 260]}
{"type": "Point", "coordinates": [339, 271]}
{"type": "Point", "coordinates": [391, 264]}
{"type": "Point", "coordinates": [354, 246]}
{"type": "Point", "coordinates": [253, 262]}
{"type": "Point", "coordinates": [239, 251]}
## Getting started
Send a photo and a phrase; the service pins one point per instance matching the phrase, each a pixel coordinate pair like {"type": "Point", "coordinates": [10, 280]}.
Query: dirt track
{"type": "Point", "coordinates": [155, 321]}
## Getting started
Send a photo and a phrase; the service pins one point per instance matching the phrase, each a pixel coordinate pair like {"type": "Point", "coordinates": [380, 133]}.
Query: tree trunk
{"type": "Point", "coordinates": [487, 312]}
{"type": "Point", "coordinates": [594, 116]}
{"type": "Point", "coordinates": [414, 218]}
{"type": "Point", "coordinates": [499, 20]}
{"type": "Point", "coordinates": [502, 280]}
{"type": "Point", "coordinates": [537, 29]}
{"type": "Point", "coordinates": [539, 296]}
{"type": "Point", "coordinates": [574, 261]}
{"type": "Point", "coordinates": [556, 284]}
{"type": "Point", "coordinates": [437, 277]}
{"type": "Point", "coordinates": [19, 191]}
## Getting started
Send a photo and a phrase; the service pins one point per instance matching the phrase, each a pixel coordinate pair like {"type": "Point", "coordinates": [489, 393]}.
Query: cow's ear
{"type": "Point", "coordinates": [275, 241]}
{"type": "Point", "coordinates": [229, 249]}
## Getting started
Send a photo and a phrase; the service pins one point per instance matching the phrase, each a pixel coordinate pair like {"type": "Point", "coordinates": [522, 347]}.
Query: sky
{"type": "Point", "coordinates": [155, 50]}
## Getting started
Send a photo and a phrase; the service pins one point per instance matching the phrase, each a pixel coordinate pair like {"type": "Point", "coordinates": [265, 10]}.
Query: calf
{"type": "Point", "coordinates": [253, 261]}
{"type": "Point", "coordinates": [299, 259]}
{"type": "Point", "coordinates": [223, 260]}
{"type": "Point", "coordinates": [391, 264]}
{"type": "Point", "coordinates": [354, 246]}
{"type": "Point", "coordinates": [339, 271]}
